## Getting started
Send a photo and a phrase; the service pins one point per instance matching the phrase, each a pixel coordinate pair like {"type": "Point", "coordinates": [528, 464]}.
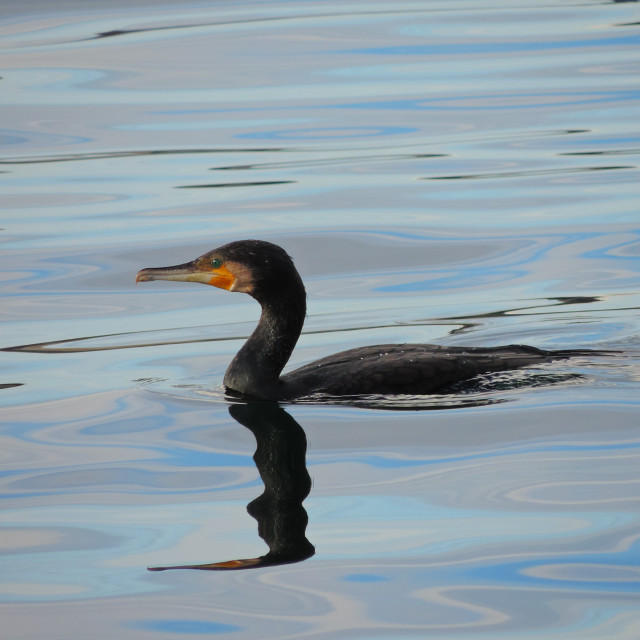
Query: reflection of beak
{"type": "Point", "coordinates": [187, 272]}
{"type": "Point", "coordinates": [229, 565]}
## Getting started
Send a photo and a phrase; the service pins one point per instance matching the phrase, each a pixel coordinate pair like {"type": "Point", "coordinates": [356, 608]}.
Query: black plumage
{"type": "Point", "coordinates": [267, 273]}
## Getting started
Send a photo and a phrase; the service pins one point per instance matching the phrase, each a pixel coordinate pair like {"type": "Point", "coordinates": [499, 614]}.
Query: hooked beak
{"type": "Point", "coordinates": [188, 272]}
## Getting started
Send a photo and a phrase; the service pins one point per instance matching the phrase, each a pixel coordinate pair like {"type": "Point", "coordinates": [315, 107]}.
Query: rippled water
{"type": "Point", "coordinates": [461, 173]}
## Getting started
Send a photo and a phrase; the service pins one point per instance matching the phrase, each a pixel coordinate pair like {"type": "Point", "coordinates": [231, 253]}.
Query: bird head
{"type": "Point", "coordinates": [249, 266]}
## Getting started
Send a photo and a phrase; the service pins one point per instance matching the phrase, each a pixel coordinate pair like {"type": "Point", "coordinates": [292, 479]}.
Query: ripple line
{"type": "Point", "coordinates": [537, 172]}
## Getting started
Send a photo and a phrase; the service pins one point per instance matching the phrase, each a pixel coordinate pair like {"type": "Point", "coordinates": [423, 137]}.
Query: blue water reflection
{"type": "Point", "coordinates": [329, 133]}
{"type": "Point", "coordinates": [467, 48]}
{"type": "Point", "coordinates": [185, 627]}
{"type": "Point", "coordinates": [502, 101]}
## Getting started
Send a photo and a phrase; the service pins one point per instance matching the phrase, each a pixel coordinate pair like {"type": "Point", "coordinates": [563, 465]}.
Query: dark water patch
{"type": "Point", "coordinates": [609, 152]}
{"type": "Point", "coordinates": [224, 185]}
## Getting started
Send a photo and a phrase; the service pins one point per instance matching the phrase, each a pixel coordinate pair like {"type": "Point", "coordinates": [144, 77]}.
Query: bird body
{"type": "Point", "coordinates": [267, 273]}
{"type": "Point", "coordinates": [406, 368]}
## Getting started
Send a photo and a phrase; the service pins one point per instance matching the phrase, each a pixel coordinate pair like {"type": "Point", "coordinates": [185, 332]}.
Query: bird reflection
{"type": "Point", "coordinates": [280, 458]}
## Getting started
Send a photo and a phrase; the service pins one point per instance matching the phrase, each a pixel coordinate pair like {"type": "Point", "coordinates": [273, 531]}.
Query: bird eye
{"type": "Point", "coordinates": [216, 263]}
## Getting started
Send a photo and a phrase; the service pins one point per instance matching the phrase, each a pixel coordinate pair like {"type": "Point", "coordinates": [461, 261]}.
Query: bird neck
{"type": "Point", "coordinates": [256, 368]}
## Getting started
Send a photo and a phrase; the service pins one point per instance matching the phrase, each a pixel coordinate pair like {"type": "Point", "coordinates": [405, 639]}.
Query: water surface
{"type": "Point", "coordinates": [452, 172]}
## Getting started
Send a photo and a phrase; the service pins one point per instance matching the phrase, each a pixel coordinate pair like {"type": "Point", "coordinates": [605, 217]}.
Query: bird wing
{"type": "Point", "coordinates": [407, 368]}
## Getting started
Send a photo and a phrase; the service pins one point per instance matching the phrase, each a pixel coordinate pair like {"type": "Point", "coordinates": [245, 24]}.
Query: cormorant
{"type": "Point", "coordinates": [267, 273]}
